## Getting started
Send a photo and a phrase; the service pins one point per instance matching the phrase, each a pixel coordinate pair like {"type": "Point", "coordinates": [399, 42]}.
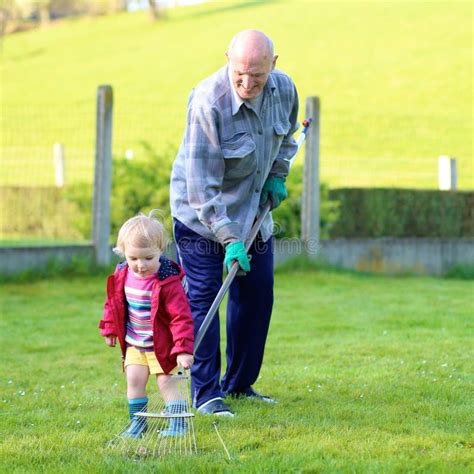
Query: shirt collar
{"type": "Point", "coordinates": [237, 101]}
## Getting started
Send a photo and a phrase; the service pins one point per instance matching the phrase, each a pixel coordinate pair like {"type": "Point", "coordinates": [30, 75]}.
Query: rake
{"type": "Point", "coordinates": [163, 427]}
{"type": "Point", "coordinates": [166, 426]}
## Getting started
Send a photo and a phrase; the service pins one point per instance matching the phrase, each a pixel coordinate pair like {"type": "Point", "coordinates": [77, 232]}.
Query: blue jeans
{"type": "Point", "coordinates": [249, 309]}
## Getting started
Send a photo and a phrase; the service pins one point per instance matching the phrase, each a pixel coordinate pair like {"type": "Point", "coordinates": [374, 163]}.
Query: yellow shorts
{"type": "Point", "coordinates": [134, 357]}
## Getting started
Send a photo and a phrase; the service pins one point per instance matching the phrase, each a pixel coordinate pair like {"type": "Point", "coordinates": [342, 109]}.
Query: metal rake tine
{"type": "Point", "coordinates": [214, 423]}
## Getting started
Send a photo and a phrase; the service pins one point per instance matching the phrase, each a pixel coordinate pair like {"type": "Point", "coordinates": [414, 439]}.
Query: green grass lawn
{"type": "Point", "coordinates": [372, 374]}
{"type": "Point", "coordinates": [394, 78]}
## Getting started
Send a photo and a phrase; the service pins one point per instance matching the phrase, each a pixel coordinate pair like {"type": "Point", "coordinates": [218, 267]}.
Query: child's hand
{"type": "Point", "coordinates": [185, 360]}
{"type": "Point", "coordinates": [111, 340]}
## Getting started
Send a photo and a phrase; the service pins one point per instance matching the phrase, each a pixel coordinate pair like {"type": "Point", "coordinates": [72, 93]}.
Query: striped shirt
{"type": "Point", "coordinates": [138, 295]}
{"type": "Point", "coordinates": [228, 151]}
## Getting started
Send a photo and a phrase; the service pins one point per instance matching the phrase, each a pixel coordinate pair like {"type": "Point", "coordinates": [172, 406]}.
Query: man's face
{"type": "Point", "coordinates": [250, 76]}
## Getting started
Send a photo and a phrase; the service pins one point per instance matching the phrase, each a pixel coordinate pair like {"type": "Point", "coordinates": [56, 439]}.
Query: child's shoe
{"type": "Point", "coordinates": [137, 428]}
{"type": "Point", "coordinates": [138, 425]}
{"type": "Point", "coordinates": [176, 426]}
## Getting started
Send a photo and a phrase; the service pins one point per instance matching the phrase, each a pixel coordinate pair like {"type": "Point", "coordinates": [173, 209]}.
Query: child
{"type": "Point", "coordinates": [147, 311]}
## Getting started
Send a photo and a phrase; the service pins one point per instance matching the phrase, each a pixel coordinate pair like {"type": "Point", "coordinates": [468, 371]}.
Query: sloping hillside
{"type": "Point", "coordinates": [395, 81]}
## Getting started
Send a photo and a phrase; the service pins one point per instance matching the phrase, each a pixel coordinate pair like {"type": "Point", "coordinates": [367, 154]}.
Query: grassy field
{"type": "Point", "coordinates": [394, 78]}
{"type": "Point", "coordinates": [372, 374]}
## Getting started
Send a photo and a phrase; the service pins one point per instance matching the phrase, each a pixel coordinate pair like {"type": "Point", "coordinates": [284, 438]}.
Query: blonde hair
{"type": "Point", "coordinates": [143, 231]}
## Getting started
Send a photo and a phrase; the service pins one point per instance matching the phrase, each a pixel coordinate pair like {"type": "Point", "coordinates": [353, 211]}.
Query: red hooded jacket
{"type": "Point", "coordinates": [173, 329]}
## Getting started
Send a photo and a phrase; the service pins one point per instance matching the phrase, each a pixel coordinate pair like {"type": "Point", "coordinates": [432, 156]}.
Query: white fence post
{"type": "Point", "coordinates": [59, 165]}
{"type": "Point", "coordinates": [103, 175]}
{"type": "Point", "coordinates": [310, 232]}
{"type": "Point", "coordinates": [447, 173]}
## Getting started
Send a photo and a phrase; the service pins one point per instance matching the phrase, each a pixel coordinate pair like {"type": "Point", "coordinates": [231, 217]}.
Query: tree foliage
{"type": "Point", "coordinates": [14, 12]}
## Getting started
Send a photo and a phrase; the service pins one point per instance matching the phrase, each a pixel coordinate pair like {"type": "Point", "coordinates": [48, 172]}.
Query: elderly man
{"type": "Point", "coordinates": [234, 156]}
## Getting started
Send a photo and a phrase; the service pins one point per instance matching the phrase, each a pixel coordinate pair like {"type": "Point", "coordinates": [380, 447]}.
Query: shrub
{"type": "Point", "coordinates": [138, 185]}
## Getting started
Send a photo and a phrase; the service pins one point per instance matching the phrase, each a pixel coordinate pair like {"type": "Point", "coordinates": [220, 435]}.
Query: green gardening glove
{"type": "Point", "coordinates": [236, 251]}
{"type": "Point", "coordinates": [275, 189]}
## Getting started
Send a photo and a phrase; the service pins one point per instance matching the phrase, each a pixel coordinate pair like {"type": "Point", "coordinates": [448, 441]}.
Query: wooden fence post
{"type": "Point", "coordinates": [59, 165]}
{"type": "Point", "coordinates": [102, 175]}
{"type": "Point", "coordinates": [447, 173]}
{"type": "Point", "coordinates": [310, 233]}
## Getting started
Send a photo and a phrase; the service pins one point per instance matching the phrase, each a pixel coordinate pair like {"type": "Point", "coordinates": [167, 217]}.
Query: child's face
{"type": "Point", "coordinates": [143, 261]}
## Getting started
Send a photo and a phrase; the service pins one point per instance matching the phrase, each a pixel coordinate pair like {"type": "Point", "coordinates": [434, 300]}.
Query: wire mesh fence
{"type": "Point", "coordinates": [34, 207]}
{"type": "Point", "coordinates": [29, 134]}
{"type": "Point", "coordinates": [47, 153]}
{"type": "Point", "coordinates": [47, 159]}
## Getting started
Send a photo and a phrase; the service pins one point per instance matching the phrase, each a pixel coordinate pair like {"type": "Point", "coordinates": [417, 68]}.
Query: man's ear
{"type": "Point", "coordinates": [274, 62]}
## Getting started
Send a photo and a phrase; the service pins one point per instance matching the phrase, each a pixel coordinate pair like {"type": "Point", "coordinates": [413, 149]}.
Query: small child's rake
{"type": "Point", "coordinates": [163, 427]}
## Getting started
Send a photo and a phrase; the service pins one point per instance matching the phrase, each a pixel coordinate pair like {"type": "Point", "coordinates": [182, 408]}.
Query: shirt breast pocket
{"type": "Point", "coordinates": [281, 128]}
{"type": "Point", "coordinates": [239, 156]}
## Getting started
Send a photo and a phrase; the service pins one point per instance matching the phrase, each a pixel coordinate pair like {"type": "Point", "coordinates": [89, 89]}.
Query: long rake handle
{"type": "Point", "coordinates": [248, 242]}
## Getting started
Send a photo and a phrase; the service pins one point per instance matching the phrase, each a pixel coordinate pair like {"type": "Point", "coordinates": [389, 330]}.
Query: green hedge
{"type": "Point", "coordinates": [139, 186]}
{"type": "Point", "coordinates": [394, 212]}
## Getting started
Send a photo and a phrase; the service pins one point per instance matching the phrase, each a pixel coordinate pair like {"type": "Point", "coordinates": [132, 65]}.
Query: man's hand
{"type": "Point", "coordinates": [236, 251]}
{"type": "Point", "coordinates": [275, 189]}
{"type": "Point", "coordinates": [111, 341]}
{"type": "Point", "coordinates": [185, 360]}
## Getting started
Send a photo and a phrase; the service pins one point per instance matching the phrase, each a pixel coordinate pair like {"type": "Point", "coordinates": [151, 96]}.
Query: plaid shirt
{"type": "Point", "coordinates": [227, 153]}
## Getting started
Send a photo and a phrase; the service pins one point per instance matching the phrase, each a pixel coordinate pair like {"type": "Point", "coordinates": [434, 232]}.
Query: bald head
{"type": "Point", "coordinates": [251, 59]}
{"type": "Point", "coordinates": [251, 42]}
